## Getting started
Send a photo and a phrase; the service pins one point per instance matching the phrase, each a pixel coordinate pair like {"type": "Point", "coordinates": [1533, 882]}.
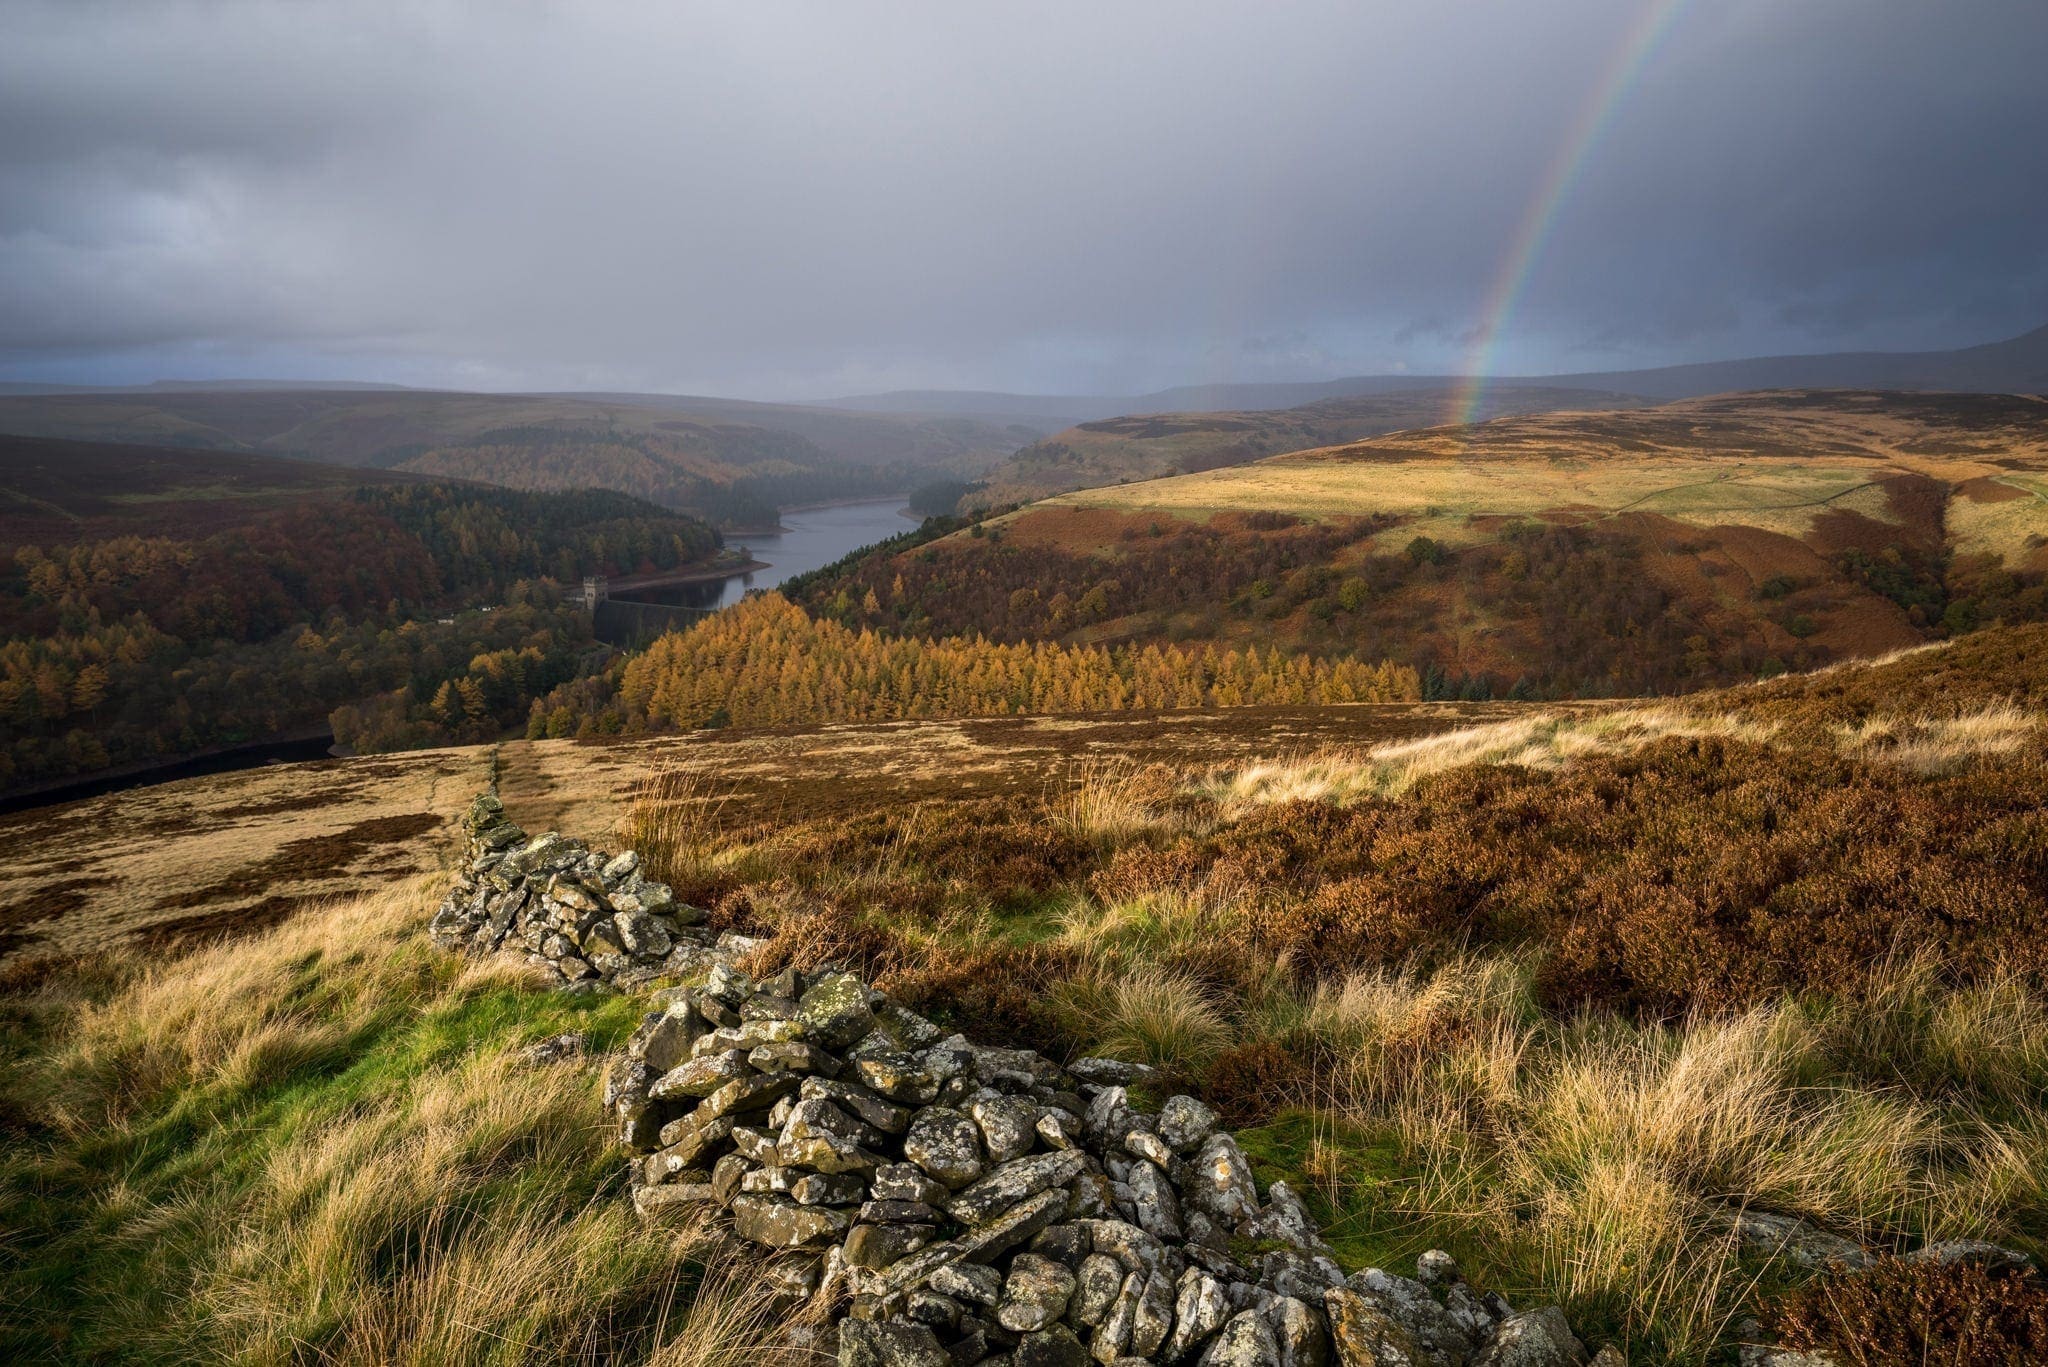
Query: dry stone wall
{"type": "Point", "coordinates": [587, 918]}
{"type": "Point", "coordinates": [968, 1203]}
{"type": "Point", "coordinates": [938, 1202]}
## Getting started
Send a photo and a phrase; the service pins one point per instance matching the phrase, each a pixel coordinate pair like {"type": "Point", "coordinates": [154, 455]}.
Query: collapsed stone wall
{"type": "Point", "coordinates": [936, 1201]}
{"type": "Point", "coordinates": [963, 1203]}
{"type": "Point", "coordinates": [587, 918]}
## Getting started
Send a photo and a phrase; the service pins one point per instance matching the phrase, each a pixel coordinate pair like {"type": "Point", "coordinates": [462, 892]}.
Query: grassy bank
{"type": "Point", "coordinates": [323, 1145]}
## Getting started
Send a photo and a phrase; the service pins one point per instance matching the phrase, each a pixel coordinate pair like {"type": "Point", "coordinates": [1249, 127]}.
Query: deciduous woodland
{"type": "Point", "coordinates": [139, 647]}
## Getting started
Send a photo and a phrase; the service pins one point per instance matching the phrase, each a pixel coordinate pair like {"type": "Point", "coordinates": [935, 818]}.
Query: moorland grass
{"type": "Point", "coordinates": [321, 1144]}
{"type": "Point", "coordinates": [1562, 1016]}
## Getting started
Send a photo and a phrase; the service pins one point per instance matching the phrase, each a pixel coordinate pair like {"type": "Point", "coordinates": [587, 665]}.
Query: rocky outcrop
{"type": "Point", "coordinates": [585, 918]}
{"type": "Point", "coordinates": [947, 1202]}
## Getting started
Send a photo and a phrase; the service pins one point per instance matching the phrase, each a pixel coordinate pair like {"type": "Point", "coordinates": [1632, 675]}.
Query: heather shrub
{"type": "Point", "coordinates": [1923, 1313]}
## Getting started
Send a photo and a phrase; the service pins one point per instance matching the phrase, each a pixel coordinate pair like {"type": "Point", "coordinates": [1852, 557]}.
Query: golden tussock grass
{"type": "Point", "coordinates": [1941, 745]}
{"type": "Point", "coordinates": [1545, 741]}
{"type": "Point", "coordinates": [322, 1143]}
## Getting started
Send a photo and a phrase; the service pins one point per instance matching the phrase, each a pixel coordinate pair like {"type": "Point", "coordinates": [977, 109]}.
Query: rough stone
{"type": "Point", "coordinates": [793, 1056]}
{"type": "Point", "coordinates": [1199, 1310]}
{"type": "Point", "coordinates": [780, 1222]}
{"type": "Point", "coordinates": [1365, 1335]}
{"type": "Point", "coordinates": [908, 1182]}
{"type": "Point", "coordinates": [1009, 1125]}
{"type": "Point", "coordinates": [899, 1077]}
{"type": "Point", "coordinates": [834, 1010]}
{"type": "Point", "coordinates": [1786, 1236]}
{"type": "Point", "coordinates": [1219, 1182]}
{"type": "Point", "coordinates": [1035, 1294]}
{"type": "Point", "coordinates": [881, 1246]}
{"type": "Point", "coordinates": [1186, 1124]}
{"type": "Point", "coordinates": [889, 1343]}
{"type": "Point", "coordinates": [946, 1144]}
{"type": "Point", "coordinates": [701, 1076]}
{"type": "Point", "coordinates": [1534, 1338]}
{"type": "Point", "coordinates": [1244, 1341]}
{"type": "Point", "coordinates": [969, 1282]}
{"type": "Point", "coordinates": [1053, 1346]}
{"type": "Point", "coordinates": [1011, 1183]}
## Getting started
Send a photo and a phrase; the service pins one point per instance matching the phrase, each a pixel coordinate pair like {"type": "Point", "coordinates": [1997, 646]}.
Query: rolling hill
{"type": "Point", "coordinates": [734, 462]}
{"type": "Point", "coordinates": [1149, 445]}
{"type": "Point", "coordinates": [2017, 365]}
{"type": "Point", "coordinates": [1645, 551]}
{"type": "Point", "coordinates": [57, 492]}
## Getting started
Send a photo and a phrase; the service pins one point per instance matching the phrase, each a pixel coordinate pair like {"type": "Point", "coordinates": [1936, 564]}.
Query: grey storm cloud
{"type": "Point", "coordinates": [800, 199]}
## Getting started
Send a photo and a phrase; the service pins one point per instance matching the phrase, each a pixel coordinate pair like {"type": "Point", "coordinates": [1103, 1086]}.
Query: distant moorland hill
{"type": "Point", "coordinates": [2017, 365]}
{"type": "Point", "coordinates": [54, 492]}
{"type": "Point", "coordinates": [1149, 445]}
{"type": "Point", "coordinates": [732, 462]}
{"type": "Point", "coordinates": [1647, 551]}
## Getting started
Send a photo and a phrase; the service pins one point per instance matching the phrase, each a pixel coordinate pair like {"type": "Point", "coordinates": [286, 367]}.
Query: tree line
{"type": "Point", "coordinates": [767, 662]}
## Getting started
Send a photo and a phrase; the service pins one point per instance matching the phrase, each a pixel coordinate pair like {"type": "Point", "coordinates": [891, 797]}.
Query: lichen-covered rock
{"type": "Point", "coordinates": [1200, 1307]}
{"type": "Point", "coordinates": [702, 1075]}
{"type": "Point", "coordinates": [1245, 1340]}
{"type": "Point", "coordinates": [946, 1144]}
{"type": "Point", "coordinates": [1535, 1338]}
{"type": "Point", "coordinates": [779, 1222]}
{"type": "Point", "coordinates": [1365, 1335]}
{"type": "Point", "coordinates": [1035, 1294]}
{"type": "Point", "coordinates": [1802, 1244]}
{"type": "Point", "coordinates": [881, 1246]}
{"type": "Point", "coordinates": [1009, 1124]}
{"type": "Point", "coordinates": [1053, 1346]}
{"type": "Point", "coordinates": [969, 1282]}
{"type": "Point", "coordinates": [834, 1010]}
{"type": "Point", "coordinates": [1011, 1183]}
{"type": "Point", "coordinates": [890, 1343]}
{"type": "Point", "coordinates": [1186, 1124]}
{"type": "Point", "coordinates": [1219, 1182]}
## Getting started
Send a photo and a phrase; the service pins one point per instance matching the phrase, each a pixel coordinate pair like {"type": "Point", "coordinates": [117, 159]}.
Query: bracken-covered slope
{"type": "Point", "coordinates": [1654, 550]}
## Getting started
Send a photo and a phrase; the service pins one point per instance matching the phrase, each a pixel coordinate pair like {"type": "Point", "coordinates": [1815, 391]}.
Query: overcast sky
{"type": "Point", "coordinates": [786, 200]}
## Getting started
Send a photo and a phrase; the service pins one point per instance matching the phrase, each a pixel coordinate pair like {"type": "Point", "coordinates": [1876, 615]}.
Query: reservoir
{"type": "Point", "coordinates": [810, 539]}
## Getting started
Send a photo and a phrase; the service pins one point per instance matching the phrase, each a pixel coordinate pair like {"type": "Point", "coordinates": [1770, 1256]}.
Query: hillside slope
{"type": "Point", "coordinates": [1712, 1024]}
{"type": "Point", "coordinates": [732, 462]}
{"type": "Point", "coordinates": [1153, 444]}
{"type": "Point", "coordinates": [1570, 553]}
{"type": "Point", "coordinates": [57, 492]}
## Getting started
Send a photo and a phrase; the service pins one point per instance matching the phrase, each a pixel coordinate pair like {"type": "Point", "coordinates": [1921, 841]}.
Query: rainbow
{"type": "Point", "coordinates": [1540, 218]}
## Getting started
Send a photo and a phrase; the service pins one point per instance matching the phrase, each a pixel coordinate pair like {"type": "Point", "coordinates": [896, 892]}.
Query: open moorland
{"type": "Point", "coordinates": [59, 492]}
{"type": "Point", "coordinates": [1147, 446]}
{"type": "Point", "coordinates": [732, 462]}
{"type": "Point", "coordinates": [1714, 1022]}
{"type": "Point", "coordinates": [1648, 551]}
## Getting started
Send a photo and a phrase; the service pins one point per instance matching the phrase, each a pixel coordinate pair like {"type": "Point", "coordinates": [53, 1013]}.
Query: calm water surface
{"type": "Point", "coordinates": [813, 540]}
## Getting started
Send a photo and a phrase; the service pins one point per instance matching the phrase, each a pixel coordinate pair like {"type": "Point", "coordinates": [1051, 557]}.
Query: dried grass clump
{"type": "Point", "coordinates": [1940, 745]}
{"type": "Point", "coordinates": [1170, 1020]}
{"type": "Point", "coordinates": [1111, 803]}
{"type": "Point", "coordinates": [1604, 1154]}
